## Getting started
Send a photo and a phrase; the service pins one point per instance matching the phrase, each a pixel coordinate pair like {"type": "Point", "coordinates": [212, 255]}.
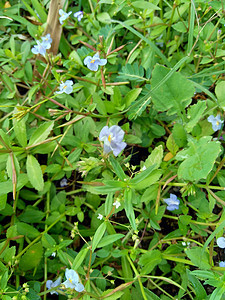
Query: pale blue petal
{"type": "Point", "coordinates": [96, 56]}
{"type": "Point", "coordinates": [35, 50]}
{"type": "Point", "coordinates": [87, 60]}
{"type": "Point", "coordinates": [68, 284]}
{"type": "Point", "coordinates": [172, 207]}
{"type": "Point", "coordinates": [72, 275]}
{"type": "Point", "coordinates": [57, 282]}
{"type": "Point", "coordinates": [211, 118]}
{"type": "Point", "coordinates": [117, 133]}
{"type": "Point", "coordinates": [173, 197]}
{"type": "Point", "coordinates": [69, 82]}
{"type": "Point", "coordinates": [119, 148]}
{"type": "Point", "coordinates": [107, 148]}
{"type": "Point", "coordinates": [49, 284]}
{"type": "Point", "coordinates": [104, 133]}
{"type": "Point", "coordinates": [222, 264]}
{"type": "Point", "coordinates": [102, 62]}
{"type": "Point", "coordinates": [93, 66]}
{"type": "Point", "coordinates": [79, 287]}
{"type": "Point", "coordinates": [221, 242]}
{"type": "Point", "coordinates": [217, 118]}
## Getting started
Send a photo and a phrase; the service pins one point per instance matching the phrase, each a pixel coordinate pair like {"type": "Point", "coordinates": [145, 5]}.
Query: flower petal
{"type": "Point", "coordinates": [79, 287]}
{"type": "Point", "coordinates": [221, 242]}
{"type": "Point", "coordinates": [104, 133]}
{"type": "Point", "coordinates": [87, 60]}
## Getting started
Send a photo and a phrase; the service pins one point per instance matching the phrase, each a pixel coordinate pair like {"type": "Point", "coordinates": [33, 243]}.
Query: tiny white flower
{"type": "Point", "coordinates": [53, 254]}
{"type": "Point", "coordinates": [100, 217]}
{"type": "Point", "coordinates": [117, 204]}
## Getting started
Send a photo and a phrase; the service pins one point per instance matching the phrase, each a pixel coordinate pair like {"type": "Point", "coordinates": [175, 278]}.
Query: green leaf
{"type": "Point", "coordinates": [155, 158]}
{"type": "Point", "coordinates": [40, 10]}
{"type": "Point", "coordinates": [79, 258]}
{"type": "Point", "coordinates": [98, 236]}
{"type": "Point", "coordinates": [126, 269]}
{"type": "Point", "coordinates": [198, 288]}
{"type": "Point", "coordinates": [31, 258]}
{"type": "Point", "coordinates": [6, 187]}
{"type": "Point", "coordinates": [199, 159]}
{"type": "Point", "coordinates": [31, 215]}
{"type": "Point", "coordinates": [174, 94]}
{"type": "Point", "coordinates": [179, 135]}
{"type": "Point", "coordinates": [133, 73]}
{"type": "Point", "coordinates": [41, 133]}
{"type": "Point", "coordinates": [149, 260]}
{"type": "Point", "coordinates": [194, 114]}
{"type": "Point", "coordinates": [4, 280]}
{"type": "Point", "coordinates": [220, 93]}
{"type": "Point", "coordinates": [109, 239]}
{"type": "Point", "coordinates": [104, 17]}
{"type": "Point", "coordinates": [20, 131]}
{"type": "Point", "coordinates": [34, 173]}
{"type": "Point", "coordinates": [27, 230]}
{"type": "Point", "coordinates": [141, 176]}
{"type": "Point", "coordinates": [171, 145]}
{"type": "Point", "coordinates": [145, 5]}
{"type": "Point", "coordinates": [198, 257]}
{"type": "Point", "coordinates": [131, 96]}
{"type": "Point", "coordinates": [48, 241]}
{"type": "Point", "coordinates": [117, 168]}
{"type": "Point", "coordinates": [116, 98]}
{"type": "Point", "coordinates": [128, 194]}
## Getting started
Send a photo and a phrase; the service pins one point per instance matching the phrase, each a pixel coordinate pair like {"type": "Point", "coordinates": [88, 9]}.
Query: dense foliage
{"type": "Point", "coordinates": [112, 180]}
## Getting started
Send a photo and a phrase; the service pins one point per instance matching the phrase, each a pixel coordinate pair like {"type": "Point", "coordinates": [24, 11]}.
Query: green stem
{"type": "Point", "coordinates": [138, 277]}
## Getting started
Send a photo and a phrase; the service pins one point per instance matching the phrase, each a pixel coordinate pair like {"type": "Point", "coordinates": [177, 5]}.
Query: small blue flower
{"type": "Point", "coordinates": [79, 15]}
{"type": "Point", "coordinates": [63, 16]}
{"type": "Point", "coordinates": [73, 281]}
{"type": "Point", "coordinates": [50, 285]}
{"type": "Point", "coordinates": [46, 40]}
{"type": "Point", "coordinates": [172, 202]}
{"type": "Point", "coordinates": [65, 87]}
{"type": "Point", "coordinates": [222, 264]}
{"type": "Point", "coordinates": [63, 182]}
{"type": "Point", "coordinates": [221, 242]}
{"type": "Point", "coordinates": [93, 62]}
{"type": "Point", "coordinates": [41, 48]}
{"type": "Point", "coordinates": [112, 138]}
{"type": "Point", "coordinates": [216, 122]}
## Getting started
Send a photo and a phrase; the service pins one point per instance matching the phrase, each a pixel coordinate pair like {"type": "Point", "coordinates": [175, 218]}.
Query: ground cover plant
{"type": "Point", "coordinates": [112, 180]}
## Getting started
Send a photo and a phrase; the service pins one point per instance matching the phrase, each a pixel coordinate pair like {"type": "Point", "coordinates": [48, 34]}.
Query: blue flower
{"type": "Point", "coordinates": [222, 264]}
{"type": "Point", "coordinates": [221, 242]}
{"type": "Point", "coordinates": [41, 48]}
{"type": "Point", "coordinates": [172, 202]}
{"type": "Point", "coordinates": [50, 285]}
{"type": "Point", "coordinates": [216, 122]}
{"type": "Point", "coordinates": [93, 62]}
{"type": "Point", "coordinates": [63, 182]}
{"type": "Point", "coordinates": [79, 15]}
{"type": "Point", "coordinates": [112, 138]}
{"type": "Point", "coordinates": [63, 16]}
{"type": "Point", "coordinates": [65, 87]}
{"type": "Point", "coordinates": [47, 40]}
{"type": "Point", "coordinates": [72, 281]}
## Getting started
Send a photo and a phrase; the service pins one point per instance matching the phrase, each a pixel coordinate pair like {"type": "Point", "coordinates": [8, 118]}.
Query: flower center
{"type": "Point", "coordinates": [92, 61]}
{"type": "Point", "coordinates": [70, 280]}
{"type": "Point", "coordinates": [110, 138]}
{"type": "Point", "coordinates": [217, 123]}
{"type": "Point", "coordinates": [65, 86]}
